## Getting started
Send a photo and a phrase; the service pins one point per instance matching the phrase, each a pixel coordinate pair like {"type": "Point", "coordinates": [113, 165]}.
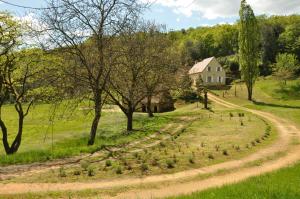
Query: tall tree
{"type": "Point", "coordinates": [249, 39]}
{"type": "Point", "coordinates": [85, 31]}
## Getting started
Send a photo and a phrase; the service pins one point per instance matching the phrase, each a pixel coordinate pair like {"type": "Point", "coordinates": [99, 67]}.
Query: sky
{"type": "Point", "coordinates": [178, 14]}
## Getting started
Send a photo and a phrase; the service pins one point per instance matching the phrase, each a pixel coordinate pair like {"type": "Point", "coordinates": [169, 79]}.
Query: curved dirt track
{"type": "Point", "coordinates": [286, 131]}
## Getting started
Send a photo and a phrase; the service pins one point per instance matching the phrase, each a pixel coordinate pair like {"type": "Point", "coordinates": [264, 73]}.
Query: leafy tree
{"type": "Point", "coordinates": [249, 37]}
{"type": "Point", "coordinates": [286, 66]}
{"type": "Point", "coordinates": [289, 40]}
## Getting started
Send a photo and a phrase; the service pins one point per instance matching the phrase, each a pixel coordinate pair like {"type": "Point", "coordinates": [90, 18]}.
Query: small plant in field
{"type": "Point", "coordinates": [210, 156]}
{"type": "Point", "coordinates": [241, 115]}
{"type": "Point", "coordinates": [230, 115]}
{"type": "Point", "coordinates": [247, 146]}
{"type": "Point", "coordinates": [84, 165]}
{"type": "Point", "coordinates": [162, 144]}
{"type": "Point", "coordinates": [166, 152]}
{"type": "Point", "coordinates": [77, 172]}
{"type": "Point", "coordinates": [242, 123]}
{"type": "Point", "coordinates": [135, 155]}
{"type": "Point", "coordinates": [217, 147]}
{"type": "Point", "coordinates": [253, 143]}
{"type": "Point", "coordinates": [119, 170]}
{"type": "Point", "coordinates": [237, 148]}
{"type": "Point", "coordinates": [145, 151]}
{"type": "Point", "coordinates": [144, 167]}
{"type": "Point", "coordinates": [175, 158]}
{"type": "Point", "coordinates": [155, 162]}
{"type": "Point", "coordinates": [263, 138]}
{"type": "Point", "coordinates": [108, 163]}
{"type": "Point", "coordinates": [91, 171]}
{"type": "Point", "coordinates": [225, 152]}
{"type": "Point", "coordinates": [191, 160]}
{"type": "Point", "coordinates": [129, 167]}
{"type": "Point", "coordinates": [202, 144]}
{"type": "Point", "coordinates": [170, 164]}
{"type": "Point", "coordinates": [257, 140]}
{"type": "Point", "coordinates": [62, 172]}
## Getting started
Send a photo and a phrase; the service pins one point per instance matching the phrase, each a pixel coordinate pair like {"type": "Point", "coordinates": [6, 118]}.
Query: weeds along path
{"type": "Point", "coordinates": [165, 133]}
{"type": "Point", "coordinates": [286, 129]}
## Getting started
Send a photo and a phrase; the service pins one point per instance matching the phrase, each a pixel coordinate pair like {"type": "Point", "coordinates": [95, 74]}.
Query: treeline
{"type": "Point", "coordinates": [279, 35]}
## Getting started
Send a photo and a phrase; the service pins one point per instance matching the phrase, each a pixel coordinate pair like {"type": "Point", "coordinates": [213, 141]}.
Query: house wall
{"type": "Point", "coordinates": [213, 74]}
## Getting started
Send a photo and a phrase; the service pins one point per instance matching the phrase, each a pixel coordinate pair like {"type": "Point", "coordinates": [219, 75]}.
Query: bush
{"type": "Point", "coordinates": [77, 173]}
{"type": "Point", "coordinates": [84, 165]}
{"type": "Point", "coordinates": [62, 172]}
{"type": "Point", "coordinates": [170, 164]}
{"type": "Point", "coordinates": [108, 163]}
{"type": "Point", "coordinates": [119, 170]}
{"type": "Point", "coordinates": [144, 167]}
{"type": "Point", "coordinates": [155, 162]}
{"type": "Point", "coordinates": [225, 152]}
{"type": "Point", "coordinates": [162, 144]}
{"type": "Point", "coordinates": [237, 148]}
{"type": "Point", "coordinates": [210, 156]}
{"type": "Point", "coordinates": [129, 167]}
{"type": "Point", "coordinates": [230, 115]}
{"type": "Point", "coordinates": [253, 143]}
{"type": "Point", "coordinates": [191, 160]}
{"type": "Point", "coordinates": [217, 147]}
{"type": "Point", "coordinates": [257, 140]}
{"type": "Point", "coordinates": [91, 171]}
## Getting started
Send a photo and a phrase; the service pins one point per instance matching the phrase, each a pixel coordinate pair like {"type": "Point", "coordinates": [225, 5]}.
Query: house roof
{"type": "Point", "coordinates": [200, 66]}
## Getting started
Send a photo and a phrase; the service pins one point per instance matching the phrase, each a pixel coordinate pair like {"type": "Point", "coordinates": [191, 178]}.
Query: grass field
{"type": "Point", "coordinates": [282, 184]}
{"type": "Point", "coordinates": [68, 135]}
{"type": "Point", "coordinates": [192, 139]}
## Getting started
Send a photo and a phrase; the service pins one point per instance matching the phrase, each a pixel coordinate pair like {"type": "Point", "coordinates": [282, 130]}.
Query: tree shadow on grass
{"type": "Point", "coordinates": [275, 105]}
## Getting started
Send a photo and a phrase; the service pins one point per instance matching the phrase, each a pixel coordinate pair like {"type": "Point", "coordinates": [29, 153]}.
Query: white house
{"type": "Point", "coordinates": [211, 71]}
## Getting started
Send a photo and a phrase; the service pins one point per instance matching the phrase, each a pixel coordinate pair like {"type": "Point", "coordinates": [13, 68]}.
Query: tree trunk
{"type": "Point", "coordinates": [150, 114]}
{"type": "Point", "coordinates": [95, 123]}
{"type": "Point", "coordinates": [129, 120]}
{"type": "Point", "coordinates": [17, 141]}
{"type": "Point", "coordinates": [205, 100]}
{"type": "Point", "coordinates": [249, 89]}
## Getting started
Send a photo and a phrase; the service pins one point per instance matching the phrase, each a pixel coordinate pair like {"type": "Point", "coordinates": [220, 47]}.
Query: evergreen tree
{"type": "Point", "coordinates": [249, 38]}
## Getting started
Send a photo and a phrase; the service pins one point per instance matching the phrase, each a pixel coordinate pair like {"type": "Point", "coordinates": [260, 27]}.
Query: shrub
{"type": "Point", "coordinates": [144, 167]}
{"type": "Point", "coordinates": [119, 170]}
{"type": "Point", "coordinates": [84, 165]}
{"type": "Point", "coordinates": [62, 172]}
{"type": "Point", "coordinates": [191, 160]}
{"type": "Point", "coordinates": [162, 144]}
{"type": "Point", "coordinates": [108, 163]}
{"type": "Point", "coordinates": [242, 123]}
{"type": "Point", "coordinates": [230, 115]}
{"type": "Point", "coordinates": [257, 140]}
{"type": "Point", "coordinates": [155, 162]}
{"type": "Point", "coordinates": [91, 171]}
{"type": "Point", "coordinates": [217, 147]}
{"type": "Point", "coordinates": [170, 164]}
{"type": "Point", "coordinates": [225, 152]}
{"type": "Point", "coordinates": [210, 156]}
{"type": "Point", "coordinates": [77, 173]}
{"type": "Point", "coordinates": [237, 148]}
{"type": "Point", "coordinates": [129, 167]}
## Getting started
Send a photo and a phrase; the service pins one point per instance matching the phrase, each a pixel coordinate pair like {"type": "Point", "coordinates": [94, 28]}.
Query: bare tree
{"type": "Point", "coordinates": [126, 82]}
{"type": "Point", "coordinates": [84, 31]}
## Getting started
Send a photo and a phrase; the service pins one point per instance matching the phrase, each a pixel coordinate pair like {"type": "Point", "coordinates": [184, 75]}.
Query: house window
{"type": "Point", "coordinates": [220, 79]}
{"type": "Point", "coordinates": [209, 69]}
{"type": "Point", "coordinates": [219, 69]}
{"type": "Point", "coordinates": [209, 79]}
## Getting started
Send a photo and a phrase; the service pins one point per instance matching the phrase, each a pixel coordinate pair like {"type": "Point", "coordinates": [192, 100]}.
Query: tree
{"type": "Point", "coordinates": [249, 37]}
{"type": "Point", "coordinates": [200, 87]}
{"type": "Point", "coordinates": [286, 66]}
{"type": "Point", "coordinates": [85, 32]}
{"type": "Point", "coordinates": [161, 64]}
{"type": "Point", "coordinates": [126, 87]}
{"type": "Point", "coordinates": [289, 40]}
